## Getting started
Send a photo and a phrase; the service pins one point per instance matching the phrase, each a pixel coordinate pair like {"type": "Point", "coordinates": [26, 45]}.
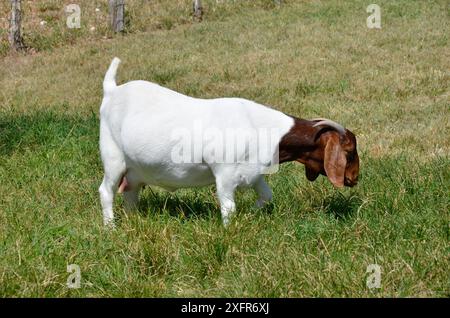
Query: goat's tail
{"type": "Point", "coordinates": [109, 83]}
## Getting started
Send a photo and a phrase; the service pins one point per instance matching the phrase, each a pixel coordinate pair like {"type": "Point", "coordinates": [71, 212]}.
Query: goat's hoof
{"type": "Point", "coordinates": [109, 224]}
{"type": "Point", "coordinates": [261, 203]}
{"type": "Point", "coordinates": [226, 222]}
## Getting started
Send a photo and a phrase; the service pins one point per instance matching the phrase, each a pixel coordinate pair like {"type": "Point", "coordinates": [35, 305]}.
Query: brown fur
{"type": "Point", "coordinates": [323, 151]}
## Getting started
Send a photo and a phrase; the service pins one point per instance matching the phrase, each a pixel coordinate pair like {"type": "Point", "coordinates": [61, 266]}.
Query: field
{"type": "Point", "coordinates": [390, 86]}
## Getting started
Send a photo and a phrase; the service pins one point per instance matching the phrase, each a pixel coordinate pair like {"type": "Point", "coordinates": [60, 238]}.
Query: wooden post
{"type": "Point", "coordinates": [198, 10]}
{"type": "Point", "coordinates": [15, 33]}
{"type": "Point", "coordinates": [117, 14]}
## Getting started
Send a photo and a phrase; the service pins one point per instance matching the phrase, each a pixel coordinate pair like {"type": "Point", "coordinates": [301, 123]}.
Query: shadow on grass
{"type": "Point", "coordinates": [340, 206]}
{"type": "Point", "coordinates": [19, 132]}
{"type": "Point", "coordinates": [179, 205]}
{"type": "Point", "coordinates": [190, 206]}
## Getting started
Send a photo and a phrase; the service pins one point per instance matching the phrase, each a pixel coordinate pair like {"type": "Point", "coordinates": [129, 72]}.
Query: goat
{"type": "Point", "coordinates": [151, 135]}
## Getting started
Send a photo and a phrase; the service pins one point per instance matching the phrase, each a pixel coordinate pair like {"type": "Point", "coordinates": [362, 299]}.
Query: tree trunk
{"type": "Point", "coordinates": [15, 34]}
{"type": "Point", "coordinates": [117, 14]}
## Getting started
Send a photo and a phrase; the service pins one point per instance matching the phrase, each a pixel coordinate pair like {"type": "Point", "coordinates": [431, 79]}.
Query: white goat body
{"type": "Point", "coordinates": [142, 123]}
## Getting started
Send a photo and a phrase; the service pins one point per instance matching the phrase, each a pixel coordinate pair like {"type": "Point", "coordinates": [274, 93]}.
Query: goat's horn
{"type": "Point", "coordinates": [330, 123]}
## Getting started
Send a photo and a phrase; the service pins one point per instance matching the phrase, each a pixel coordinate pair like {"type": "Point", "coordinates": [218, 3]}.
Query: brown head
{"type": "Point", "coordinates": [324, 147]}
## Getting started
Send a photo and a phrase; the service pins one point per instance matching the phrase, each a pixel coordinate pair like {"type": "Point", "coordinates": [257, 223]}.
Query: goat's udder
{"type": "Point", "coordinates": [123, 185]}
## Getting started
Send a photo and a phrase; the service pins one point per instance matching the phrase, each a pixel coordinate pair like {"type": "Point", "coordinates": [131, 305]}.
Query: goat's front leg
{"type": "Point", "coordinates": [225, 193]}
{"type": "Point", "coordinates": [264, 192]}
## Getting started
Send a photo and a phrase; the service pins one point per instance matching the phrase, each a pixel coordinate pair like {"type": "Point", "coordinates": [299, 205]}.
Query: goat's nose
{"type": "Point", "coordinates": [349, 182]}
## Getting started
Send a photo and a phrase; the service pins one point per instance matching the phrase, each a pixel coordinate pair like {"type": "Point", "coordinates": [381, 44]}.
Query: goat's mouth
{"type": "Point", "coordinates": [350, 182]}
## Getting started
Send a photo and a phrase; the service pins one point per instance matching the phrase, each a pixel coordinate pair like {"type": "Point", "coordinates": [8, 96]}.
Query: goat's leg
{"type": "Point", "coordinates": [114, 169]}
{"type": "Point", "coordinates": [107, 189]}
{"type": "Point", "coordinates": [225, 193]}
{"type": "Point", "coordinates": [264, 192]}
{"type": "Point", "coordinates": [131, 199]}
{"type": "Point", "coordinates": [131, 192]}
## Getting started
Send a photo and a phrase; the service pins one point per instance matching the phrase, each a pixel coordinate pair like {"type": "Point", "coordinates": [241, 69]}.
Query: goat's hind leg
{"type": "Point", "coordinates": [114, 169]}
{"type": "Point", "coordinates": [131, 191]}
{"type": "Point", "coordinates": [107, 189]}
{"type": "Point", "coordinates": [264, 192]}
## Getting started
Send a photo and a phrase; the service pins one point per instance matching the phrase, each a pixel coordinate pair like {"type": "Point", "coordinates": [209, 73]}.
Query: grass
{"type": "Point", "coordinates": [308, 58]}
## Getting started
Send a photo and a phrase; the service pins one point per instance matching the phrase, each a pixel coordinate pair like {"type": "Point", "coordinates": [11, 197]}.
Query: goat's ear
{"type": "Point", "coordinates": [335, 161]}
{"type": "Point", "coordinates": [311, 174]}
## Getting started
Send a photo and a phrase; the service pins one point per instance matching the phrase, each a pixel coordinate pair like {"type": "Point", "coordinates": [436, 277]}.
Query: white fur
{"type": "Point", "coordinates": [137, 122]}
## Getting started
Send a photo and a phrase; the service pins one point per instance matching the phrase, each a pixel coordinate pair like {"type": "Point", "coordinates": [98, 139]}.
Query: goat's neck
{"type": "Point", "coordinates": [298, 142]}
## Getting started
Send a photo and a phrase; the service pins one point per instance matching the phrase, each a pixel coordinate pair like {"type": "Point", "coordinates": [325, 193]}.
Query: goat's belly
{"type": "Point", "coordinates": [172, 177]}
